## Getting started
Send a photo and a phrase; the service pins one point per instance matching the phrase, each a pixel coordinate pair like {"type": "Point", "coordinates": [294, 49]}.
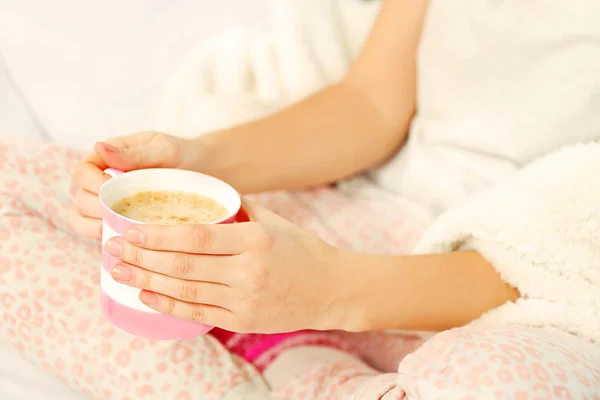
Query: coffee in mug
{"type": "Point", "coordinates": [170, 207]}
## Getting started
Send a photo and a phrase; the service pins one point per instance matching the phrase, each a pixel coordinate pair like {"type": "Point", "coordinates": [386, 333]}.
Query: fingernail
{"type": "Point", "coordinates": [121, 272]}
{"type": "Point", "coordinates": [109, 148]}
{"type": "Point", "coordinates": [113, 247]}
{"type": "Point", "coordinates": [148, 298]}
{"type": "Point", "coordinates": [134, 236]}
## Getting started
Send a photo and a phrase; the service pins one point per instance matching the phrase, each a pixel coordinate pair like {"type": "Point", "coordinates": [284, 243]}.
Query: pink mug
{"type": "Point", "coordinates": [120, 303]}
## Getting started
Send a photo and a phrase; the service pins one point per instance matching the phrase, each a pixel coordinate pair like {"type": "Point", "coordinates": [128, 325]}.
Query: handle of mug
{"type": "Point", "coordinates": [113, 172]}
{"type": "Point", "coordinates": [242, 216]}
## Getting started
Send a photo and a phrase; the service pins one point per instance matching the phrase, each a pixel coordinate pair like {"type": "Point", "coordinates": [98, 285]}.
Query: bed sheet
{"type": "Point", "coordinates": [21, 379]}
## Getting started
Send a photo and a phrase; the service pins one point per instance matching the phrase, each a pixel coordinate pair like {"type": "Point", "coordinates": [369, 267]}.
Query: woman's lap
{"type": "Point", "coordinates": [49, 285]}
{"type": "Point", "coordinates": [49, 296]}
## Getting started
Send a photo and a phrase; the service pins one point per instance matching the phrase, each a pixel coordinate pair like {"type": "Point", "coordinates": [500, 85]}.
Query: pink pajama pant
{"type": "Point", "coordinates": [50, 311]}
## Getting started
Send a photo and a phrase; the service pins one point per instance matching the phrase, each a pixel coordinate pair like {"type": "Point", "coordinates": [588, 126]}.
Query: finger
{"type": "Point", "coordinates": [218, 239]}
{"type": "Point", "coordinates": [89, 227]}
{"type": "Point", "coordinates": [257, 213]}
{"type": "Point", "coordinates": [73, 189]}
{"type": "Point", "coordinates": [87, 204]}
{"type": "Point", "coordinates": [114, 143]}
{"type": "Point", "coordinates": [113, 156]}
{"type": "Point", "coordinates": [177, 265]}
{"type": "Point", "coordinates": [93, 158]}
{"type": "Point", "coordinates": [129, 156]}
{"type": "Point", "coordinates": [206, 314]}
{"type": "Point", "coordinates": [88, 176]}
{"type": "Point", "coordinates": [189, 291]}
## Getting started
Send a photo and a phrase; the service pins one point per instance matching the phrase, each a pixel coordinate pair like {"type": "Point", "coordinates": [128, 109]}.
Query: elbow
{"type": "Point", "coordinates": [388, 112]}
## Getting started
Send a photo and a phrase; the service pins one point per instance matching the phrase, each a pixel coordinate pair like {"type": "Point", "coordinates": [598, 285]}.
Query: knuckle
{"type": "Point", "coordinates": [136, 157]}
{"type": "Point", "coordinates": [173, 152]}
{"type": "Point", "coordinates": [153, 237]}
{"type": "Point", "coordinates": [76, 203]}
{"type": "Point", "coordinates": [197, 314]}
{"type": "Point", "coordinates": [182, 265]}
{"type": "Point", "coordinates": [90, 229]}
{"type": "Point", "coordinates": [131, 254]}
{"type": "Point", "coordinates": [257, 276]}
{"type": "Point", "coordinates": [76, 173]}
{"type": "Point", "coordinates": [169, 307]}
{"type": "Point", "coordinates": [143, 279]}
{"type": "Point", "coordinates": [188, 291]}
{"type": "Point", "coordinates": [79, 202]}
{"type": "Point", "coordinates": [200, 238]}
{"type": "Point", "coordinates": [261, 237]}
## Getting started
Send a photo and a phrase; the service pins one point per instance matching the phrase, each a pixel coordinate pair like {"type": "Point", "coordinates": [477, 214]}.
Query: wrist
{"type": "Point", "coordinates": [200, 152]}
{"type": "Point", "coordinates": [350, 293]}
{"type": "Point", "coordinates": [211, 155]}
{"type": "Point", "coordinates": [368, 292]}
{"type": "Point", "coordinates": [231, 157]}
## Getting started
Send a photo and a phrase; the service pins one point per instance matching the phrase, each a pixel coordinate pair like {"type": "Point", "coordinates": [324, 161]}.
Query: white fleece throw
{"type": "Point", "coordinates": [541, 231]}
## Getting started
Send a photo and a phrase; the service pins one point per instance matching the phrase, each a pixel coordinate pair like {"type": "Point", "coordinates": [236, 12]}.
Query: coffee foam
{"type": "Point", "coordinates": [170, 208]}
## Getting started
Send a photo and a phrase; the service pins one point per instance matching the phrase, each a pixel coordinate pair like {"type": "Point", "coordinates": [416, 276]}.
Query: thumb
{"type": "Point", "coordinates": [257, 213]}
{"type": "Point", "coordinates": [128, 158]}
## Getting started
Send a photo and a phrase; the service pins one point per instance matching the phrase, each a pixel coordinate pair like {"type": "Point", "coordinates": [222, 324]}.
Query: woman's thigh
{"type": "Point", "coordinates": [49, 296]}
{"type": "Point", "coordinates": [504, 362]}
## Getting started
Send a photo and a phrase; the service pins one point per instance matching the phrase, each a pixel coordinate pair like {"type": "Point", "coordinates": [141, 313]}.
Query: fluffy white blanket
{"type": "Point", "coordinates": [541, 231]}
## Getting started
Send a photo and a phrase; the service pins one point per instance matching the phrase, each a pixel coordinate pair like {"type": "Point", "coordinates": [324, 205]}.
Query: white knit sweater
{"type": "Point", "coordinates": [500, 84]}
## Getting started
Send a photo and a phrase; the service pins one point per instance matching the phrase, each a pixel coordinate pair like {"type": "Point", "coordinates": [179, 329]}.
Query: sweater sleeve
{"type": "Point", "coordinates": [541, 231]}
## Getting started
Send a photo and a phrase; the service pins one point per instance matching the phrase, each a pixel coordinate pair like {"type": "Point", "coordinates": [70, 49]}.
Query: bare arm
{"type": "Point", "coordinates": [342, 130]}
{"type": "Point", "coordinates": [430, 292]}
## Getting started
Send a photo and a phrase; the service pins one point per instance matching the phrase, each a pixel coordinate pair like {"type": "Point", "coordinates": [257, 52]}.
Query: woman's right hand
{"type": "Point", "coordinates": [127, 153]}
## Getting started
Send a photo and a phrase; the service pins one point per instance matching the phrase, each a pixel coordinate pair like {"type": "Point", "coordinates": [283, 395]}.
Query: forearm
{"type": "Point", "coordinates": [422, 292]}
{"type": "Point", "coordinates": [334, 134]}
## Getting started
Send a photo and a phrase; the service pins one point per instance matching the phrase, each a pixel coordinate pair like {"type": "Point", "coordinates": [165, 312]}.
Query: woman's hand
{"type": "Point", "coordinates": [137, 151]}
{"type": "Point", "coordinates": [265, 276]}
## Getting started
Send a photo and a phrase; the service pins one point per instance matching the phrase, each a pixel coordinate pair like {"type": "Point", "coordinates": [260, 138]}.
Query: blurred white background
{"type": "Point", "coordinates": [72, 70]}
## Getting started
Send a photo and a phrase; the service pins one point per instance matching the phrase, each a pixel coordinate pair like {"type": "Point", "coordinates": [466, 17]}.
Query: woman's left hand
{"type": "Point", "coordinates": [266, 276]}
